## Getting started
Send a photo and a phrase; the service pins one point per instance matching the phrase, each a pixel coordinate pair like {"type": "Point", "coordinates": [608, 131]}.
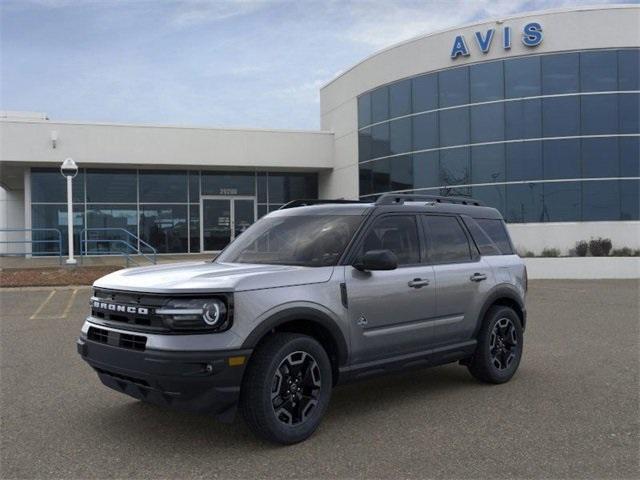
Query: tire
{"type": "Point", "coordinates": [499, 350]}
{"type": "Point", "coordinates": [298, 371]}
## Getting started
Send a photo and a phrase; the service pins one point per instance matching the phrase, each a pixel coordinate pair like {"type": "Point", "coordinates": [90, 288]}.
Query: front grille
{"type": "Point", "coordinates": [122, 340]}
{"type": "Point", "coordinates": [139, 309]}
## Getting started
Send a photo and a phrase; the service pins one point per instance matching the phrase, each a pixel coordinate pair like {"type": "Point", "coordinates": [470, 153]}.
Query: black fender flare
{"type": "Point", "coordinates": [301, 314]}
{"type": "Point", "coordinates": [503, 291]}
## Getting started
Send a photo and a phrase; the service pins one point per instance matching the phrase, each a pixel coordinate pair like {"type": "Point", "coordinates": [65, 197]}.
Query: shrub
{"type": "Point", "coordinates": [550, 252]}
{"type": "Point", "coordinates": [526, 253]}
{"type": "Point", "coordinates": [582, 248]}
{"type": "Point", "coordinates": [624, 252]}
{"type": "Point", "coordinates": [600, 247]}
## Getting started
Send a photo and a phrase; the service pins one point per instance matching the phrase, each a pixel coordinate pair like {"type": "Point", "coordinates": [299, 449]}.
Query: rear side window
{"type": "Point", "coordinates": [497, 232]}
{"type": "Point", "coordinates": [485, 244]}
{"type": "Point", "coordinates": [446, 240]}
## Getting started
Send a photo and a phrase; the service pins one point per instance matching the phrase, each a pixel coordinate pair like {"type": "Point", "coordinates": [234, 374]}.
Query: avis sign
{"type": "Point", "coordinates": [531, 37]}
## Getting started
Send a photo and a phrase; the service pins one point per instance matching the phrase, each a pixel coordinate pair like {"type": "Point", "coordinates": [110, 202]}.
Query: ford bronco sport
{"type": "Point", "coordinates": [312, 295]}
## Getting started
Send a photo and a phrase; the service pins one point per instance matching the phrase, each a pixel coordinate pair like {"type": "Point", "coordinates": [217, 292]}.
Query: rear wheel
{"type": "Point", "coordinates": [499, 346]}
{"type": "Point", "coordinates": [287, 387]}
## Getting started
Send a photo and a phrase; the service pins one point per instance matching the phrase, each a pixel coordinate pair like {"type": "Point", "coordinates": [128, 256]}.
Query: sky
{"type": "Point", "coordinates": [231, 63]}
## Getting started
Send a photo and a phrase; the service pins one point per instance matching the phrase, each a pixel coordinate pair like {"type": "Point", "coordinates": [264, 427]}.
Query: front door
{"type": "Point", "coordinates": [222, 219]}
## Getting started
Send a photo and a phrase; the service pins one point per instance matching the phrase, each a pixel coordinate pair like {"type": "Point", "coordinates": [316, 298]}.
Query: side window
{"type": "Point", "coordinates": [397, 233]}
{"type": "Point", "coordinates": [498, 233]}
{"type": "Point", "coordinates": [485, 244]}
{"type": "Point", "coordinates": [446, 240]}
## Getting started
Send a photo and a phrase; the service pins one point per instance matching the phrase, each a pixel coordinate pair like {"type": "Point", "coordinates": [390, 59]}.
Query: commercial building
{"type": "Point", "coordinates": [537, 115]}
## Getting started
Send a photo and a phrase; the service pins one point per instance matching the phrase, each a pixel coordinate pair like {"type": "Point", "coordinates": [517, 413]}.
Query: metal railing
{"type": "Point", "coordinates": [132, 245]}
{"type": "Point", "coordinates": [57, 241]}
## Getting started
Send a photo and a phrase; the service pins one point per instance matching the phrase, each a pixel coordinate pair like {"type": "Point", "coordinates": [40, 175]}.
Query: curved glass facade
{"type": "Point", "coordinates": [543, 138]}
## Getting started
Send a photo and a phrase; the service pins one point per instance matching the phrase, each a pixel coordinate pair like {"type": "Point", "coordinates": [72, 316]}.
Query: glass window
{"type": "Point", "coordinates": [523, 119]}
{"type": "Point", "coordinates": [599, 71]}
{"type": "Point", "coordinates": [366, 178]}
{"type": "Point", "coordinates": [165, 227]}
{"type": "Point", "coordinates": [381, 175]}
{"type": "Point", "coordinates": [524, 203]}
{"type": "Point", "coordinates": [261, 185]}
{"type": "Point", "coordinates": [561, 159]}
{"type": "Point", "coordinates": [630, 156]}
{"type": "Point", "coordinates": [561, 116]}
{"type": "Point", "coordinates": [194, 228]}
{"type": "Point", "coordinates": [400, 98]}
{"type": "Point", "coordinates": [600, 157]}
{"type": "Point", "coordinates": [454, 87]}
{"type": "Point", "coordinates": [485, 245]}
{"type": "Point", "coordinates": [487, 82]}
{"type": "Point", "coordinates": [487, 164]}
{"type": "Point", "coordinates": [364, 110]}
{"type": "Point", "coordinates": [426, 168]}
{"type": "Point", "coordinates": [219, 183]}
{"type": "Point", "coordinates": [522, 77]}
{"type": "Point", "coordinates": [380, 141]}
{"type": "Point", "coordinates": [425, 92]}
{"type": "Point", "coordinates": [425, 131]}
{"type": "Point", "coordinates": [454, 127]}
{"type": "Point", "coordinates": [599, 114]}
{"type": "Point", "coordinates": [112, 186]}
{"type": "Point", "coordinates": [292, 186]}
{"type": "Point", "coordinates": [262, 211]}
{"type": "Point", "coordinates": [364, 144]}
{"type": "Point", "coordinates": [194, 186]}
{"type": "Point", "coordinates": [117, 219]}
{"type": "Point", "coordinates": [562, 201]}
{"type": "Point", "coordinates": [497, 231]}
{"type": "Point", "coordinates": [524, 161]}
{"type": "Point", "coordinates": [400, 135]}
{"type": "Point", "coordinates": [52, 216]}
{"type": "Point", "coordinates": [490, 195]}
{"type": "Point", "coordinates": [48, 185]}
{"type": "Point", "coordinates": [629, 199]}
{"type": "Point", "coordinates": [380, 104]}
{"type": "Point", "coordinates": [487, 123]}
{"type": "Point", "coordinates": [629, 112]}
{"type": "Point", "coordinates": [601, 200]}
{"type": "Point", "coordinates": [446, 240]}
{"type": "Point", "coordinates": [560, 73]}
{"type": "Point", "coordinates": [454, 167]}
{"type": "Point", "coordinates": [165, 186]}
{"type": "Point", "coordinates": [401, 173]}
{"type": "Point", "coordinates": [397, 233]}
{"type": "Point", "coordinates": [629, 69]}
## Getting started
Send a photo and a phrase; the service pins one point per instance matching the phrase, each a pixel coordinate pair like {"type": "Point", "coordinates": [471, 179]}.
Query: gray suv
{"type": "Point", "coordinates": [312, 295]}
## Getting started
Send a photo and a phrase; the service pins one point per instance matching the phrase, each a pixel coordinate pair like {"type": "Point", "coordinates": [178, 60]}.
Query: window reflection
{"type": "Point", "coordinates": [165, 227]}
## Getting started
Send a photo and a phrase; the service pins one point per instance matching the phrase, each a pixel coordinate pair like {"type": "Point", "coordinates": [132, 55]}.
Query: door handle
{"type": "Point", "coordinates": [478, 277]}
{"type": "Point", "coordinates": [418, 283]}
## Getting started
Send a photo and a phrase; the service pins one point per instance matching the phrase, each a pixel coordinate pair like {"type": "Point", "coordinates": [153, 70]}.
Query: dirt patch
{"type": "Point", "coordinates": [53, 276]}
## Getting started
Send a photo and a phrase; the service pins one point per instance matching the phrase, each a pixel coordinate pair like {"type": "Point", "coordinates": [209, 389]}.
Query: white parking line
{"type": "Point", "coordinates": [42, 305]}
{"type": "Point", "coordinates": [69, 304]}
{"type": "Point", "coordinates": [65, 313]}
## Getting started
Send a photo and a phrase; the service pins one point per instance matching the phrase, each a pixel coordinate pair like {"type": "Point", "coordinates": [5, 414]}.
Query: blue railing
{"type": "Point", "coordinates": [132, 244]}
{"type": "Point", "coordinates": [57, 241]}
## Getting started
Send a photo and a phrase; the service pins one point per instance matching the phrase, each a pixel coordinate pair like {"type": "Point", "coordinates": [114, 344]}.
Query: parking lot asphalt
{"type": "Point", "coordinates": [572, 411]}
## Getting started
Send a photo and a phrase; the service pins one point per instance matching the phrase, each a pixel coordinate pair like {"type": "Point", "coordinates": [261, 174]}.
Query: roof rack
{"type": "Point", "coordinates": [306, 203]}
{"type": "Point", "coordinates": [400, 198]}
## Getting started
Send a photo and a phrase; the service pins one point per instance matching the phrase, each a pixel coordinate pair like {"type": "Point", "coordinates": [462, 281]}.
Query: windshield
{"type": "Point", "coordinates": [309, 240]}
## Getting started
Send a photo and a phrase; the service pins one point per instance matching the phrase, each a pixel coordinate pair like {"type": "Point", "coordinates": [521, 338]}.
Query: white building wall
{"type": "Point", "coordinates": [11, 216]}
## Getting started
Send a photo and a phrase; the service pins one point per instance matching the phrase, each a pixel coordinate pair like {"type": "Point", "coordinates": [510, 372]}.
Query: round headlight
{"type": "Point", "coordinates": [212, 313]}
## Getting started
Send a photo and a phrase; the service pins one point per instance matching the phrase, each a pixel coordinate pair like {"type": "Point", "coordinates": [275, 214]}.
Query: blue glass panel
{"type": "Point", "coordinates": [487, 82]}
{"type": "Point", "coordinates": [231, 183]}
{"type": "Point", "coordinates": [454, 127]}
{"type": "Point", "coordinates": [113, 217]}
{"type": "Point", "coordinates": [380, 140]}
{"type": "Point", "coordinates": [112, 186]}
{"type": "Point", "coordinates": [454, 87]}
{"type": "Point", "coordinates": [522, 77]}
{"type": "Point", "coordinates": [524, 203]}
{"type": "Point", "coordinates": [165, 227]}
{"type": "Point", "coordinates": [364, 144]}
{"type": "Point", "coordinates": [366, 178]}
{"type": "Point", "coordinates": [425, 92]}
{"type": "Point", "coordinates": [629, 69]}
{"type": "Point", "coordinates": [364, 110]}
{"type": "Point", "coordinates": [523, 119]}
{"type": "Point", "coordinates": [599, 114]}
{"type": "Point", "coordinates": [487, 164]}
{"type": "Point", "coordinates": [194, 227]}
{"type": "Point", "coordinates": [401, 173]}
{"type": "Point", "coordinates": [48, 185]}
{"type": "Point", "coordinates": [194, 186]}
{"type": "Point", "coordinates": [380, 104]}
{"type": "Point", "coordinates": [454, 167]}
{"type": "Point", "coordinates": [487, 123]}
{"type": "Point", "coordinates": [600, 157]}
{"type": "Point", "coordinates": [381, 175]}
{"type": "Point", "coordinates": [629, 199]}
{"type": "Point", "coordinates": [425, 131]}
{"type": "Point", "coordinates": [261, 184]}
{"type": "Point", "coordinates": [400, 98]}
{"type": "Point", "coordinates": [400, 135]}
{"type": "Point", "coordinates": [524, 161]}
{"type": "Point", "coordinates": [562, 202]}
{"type": "Point", "coordinates": [599, 71]}
{"type": "Point", "coordinates": [601, 200]}
{"type": "Point", "coordinates": [491, 196]}
{"type": "Point", "coordinates": [630, 157]}
{"type": "Point", "coordinates": [51, 216]}
{"type": "Point", "coordinates": [629, 112]}
{"type": "Point", "coordinates": [284, 187]}
{"type": "Point", "coordinates": [560, 73]}
{"type": "Point", "coordinates": [561, 159]}
{"type": "Point", "coordinates": [426, 170]}
{"type": "Point", "coordinates": [163, 186]}
{"type": "Point", "coordinates": [561, 116]}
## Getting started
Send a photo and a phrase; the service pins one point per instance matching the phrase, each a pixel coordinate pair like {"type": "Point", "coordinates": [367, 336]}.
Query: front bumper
{"type": "Point", "coordinates": [200, 382]}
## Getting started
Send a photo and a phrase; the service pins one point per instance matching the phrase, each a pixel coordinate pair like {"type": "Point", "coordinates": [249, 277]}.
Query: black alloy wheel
{"type": "Point", "coordinates": [503, 343]}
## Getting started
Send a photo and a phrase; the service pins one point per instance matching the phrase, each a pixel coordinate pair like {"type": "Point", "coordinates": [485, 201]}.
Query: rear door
{"type": "Point", "coordinates": [462, 278]}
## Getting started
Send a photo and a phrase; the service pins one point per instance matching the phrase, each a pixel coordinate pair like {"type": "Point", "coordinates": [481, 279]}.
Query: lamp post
{"type": "Point", "coordinates": [69, 169]}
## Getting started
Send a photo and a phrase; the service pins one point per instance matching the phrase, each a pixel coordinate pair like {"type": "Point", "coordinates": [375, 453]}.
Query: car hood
{"type": "Point", "coordinates": [188, 277]}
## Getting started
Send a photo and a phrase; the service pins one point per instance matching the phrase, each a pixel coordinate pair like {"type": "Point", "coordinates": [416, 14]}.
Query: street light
{"type": "Point", "coordinates": [69, 169]}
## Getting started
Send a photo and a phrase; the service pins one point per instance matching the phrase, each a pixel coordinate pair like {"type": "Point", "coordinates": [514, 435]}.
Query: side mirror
{"type": "Point", "coordinates": [377, 260]}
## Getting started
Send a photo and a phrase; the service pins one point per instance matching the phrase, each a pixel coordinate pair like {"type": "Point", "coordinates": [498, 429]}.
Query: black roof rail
{"type": "Point", "coordinates": [400, 198]}
{"type": "Point", "coordinates": [306, 203]}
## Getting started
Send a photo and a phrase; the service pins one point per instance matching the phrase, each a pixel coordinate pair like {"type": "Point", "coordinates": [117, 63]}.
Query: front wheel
{"type": "Point", "coordinates": [499, 346]}
{"type": "Point", "coordinates": [287, 387]}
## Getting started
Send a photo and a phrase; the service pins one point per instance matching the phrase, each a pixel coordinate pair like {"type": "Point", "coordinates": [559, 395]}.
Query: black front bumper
{"type": "Point", "coordinates": [200, 382]}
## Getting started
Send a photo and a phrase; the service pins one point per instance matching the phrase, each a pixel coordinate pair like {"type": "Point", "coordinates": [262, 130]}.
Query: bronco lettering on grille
{"type": "Point", "coordinates": [114, 307]}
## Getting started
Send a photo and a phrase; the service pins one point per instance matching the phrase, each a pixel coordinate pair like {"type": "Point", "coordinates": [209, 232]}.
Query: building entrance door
{"type": "Point", "coordinates": [222, 219]}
